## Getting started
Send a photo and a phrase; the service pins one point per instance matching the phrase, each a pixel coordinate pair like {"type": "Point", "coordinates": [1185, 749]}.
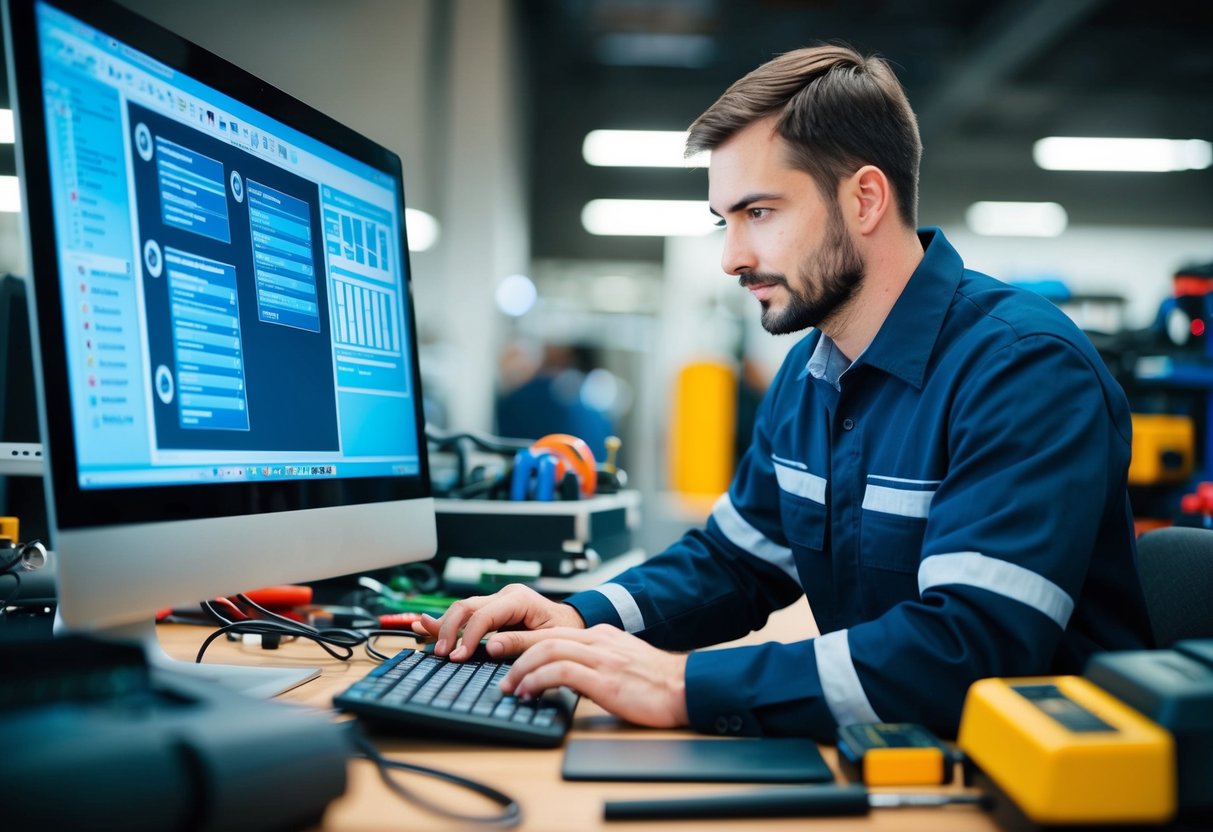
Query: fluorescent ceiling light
{"type": "Point", "coordinates": [1016, 219]}
{"type": "Point", "coordinates": [10, 196]}
{"type": "Point", "coordinates": [6, 127]}
{"type": "Point", "coordinates": [515, 295]}
{"type": "Point", "coordinates": [647, 218]}
{"type": "Point", "coordinates": [423, 229]}
{"type": "Point", "coordinates": [639, 149]}
{"type": "Point", "coordinates": [1147, 155]}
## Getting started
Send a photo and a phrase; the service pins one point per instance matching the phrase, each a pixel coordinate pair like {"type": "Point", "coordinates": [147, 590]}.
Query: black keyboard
{"type": "Point", "coordinates": [432, 696]}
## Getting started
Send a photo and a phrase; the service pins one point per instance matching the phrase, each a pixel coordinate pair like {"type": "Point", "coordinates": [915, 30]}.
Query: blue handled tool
{"type": "Point", "coordinates": [534, 476]}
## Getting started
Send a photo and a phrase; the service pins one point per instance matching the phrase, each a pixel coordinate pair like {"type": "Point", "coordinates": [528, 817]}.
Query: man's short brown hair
{"type": "Point", "coordinates": [837, 110]}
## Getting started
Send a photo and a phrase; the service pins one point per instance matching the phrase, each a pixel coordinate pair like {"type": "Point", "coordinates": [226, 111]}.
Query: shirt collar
{"type": "Point", "coordinates": [903, 345]}
{"type": "Point", "coordinates": [827, 363]}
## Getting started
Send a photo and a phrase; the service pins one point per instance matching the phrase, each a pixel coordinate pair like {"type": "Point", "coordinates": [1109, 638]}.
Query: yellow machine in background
{"type": "Point", "coordinates": [1163, 449]}
{"type": "Point", "coordinates": [704, 420]}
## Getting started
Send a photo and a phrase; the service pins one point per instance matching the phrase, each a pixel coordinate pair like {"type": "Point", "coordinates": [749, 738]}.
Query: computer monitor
{"type": "Point", "coordinates": [20, 443]}
{"type": "Point", "coordinates": [226, 349]}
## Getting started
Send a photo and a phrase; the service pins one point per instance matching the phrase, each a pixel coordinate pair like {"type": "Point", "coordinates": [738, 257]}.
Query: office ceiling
{"type": "Point", "coordinates": [986, 78]}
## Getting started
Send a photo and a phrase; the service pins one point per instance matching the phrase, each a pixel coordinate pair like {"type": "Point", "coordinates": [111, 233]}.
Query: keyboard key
{"type": "Point", "coordinates": [505, 708]}
{"type": "Point", "coordinates": [434, 684]}
{"type": "Point", "coordinates": [474, 688]}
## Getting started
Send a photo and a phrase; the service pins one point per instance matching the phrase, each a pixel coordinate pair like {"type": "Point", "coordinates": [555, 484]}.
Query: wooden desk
{"type": "Point", "coordinates": [531, 776]}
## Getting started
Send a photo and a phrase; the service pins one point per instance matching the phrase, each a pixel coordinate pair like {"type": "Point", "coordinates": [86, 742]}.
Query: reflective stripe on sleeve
{"type": "Point", "coordinates": [1000, 577]}
{"type": "Point", "coordinates": [625, 606]}
{"type": "Point", "coordinates": [840, 683]}
{"type": "Point", "coordinates": [744, 536]}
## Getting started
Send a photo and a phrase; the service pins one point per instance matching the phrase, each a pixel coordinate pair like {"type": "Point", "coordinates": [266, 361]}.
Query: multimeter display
{"type": "Point", "coordinates": [1070, 714]}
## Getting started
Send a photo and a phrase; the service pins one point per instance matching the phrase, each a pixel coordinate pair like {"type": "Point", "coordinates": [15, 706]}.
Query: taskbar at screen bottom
{"type": "Point", "coordinates": [229, 473]}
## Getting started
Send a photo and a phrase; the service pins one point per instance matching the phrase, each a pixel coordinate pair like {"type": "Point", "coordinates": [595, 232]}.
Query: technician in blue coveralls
{"type": "Point", "coordinates": [940, 465]}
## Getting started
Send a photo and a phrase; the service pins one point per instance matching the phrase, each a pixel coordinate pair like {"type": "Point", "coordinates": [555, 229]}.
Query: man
{"type": "Point", "coordinates": [940, 465]}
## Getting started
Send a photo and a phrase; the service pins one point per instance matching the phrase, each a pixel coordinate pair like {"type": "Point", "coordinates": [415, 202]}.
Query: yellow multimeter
{"type": "Point", "coordinates": [893, 754]}
{"type": "Point", "coordinates": [1067, 752]}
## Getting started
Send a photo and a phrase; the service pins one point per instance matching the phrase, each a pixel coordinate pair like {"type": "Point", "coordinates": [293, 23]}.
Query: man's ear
{"type": "Point", "coordinates": [870, 196]}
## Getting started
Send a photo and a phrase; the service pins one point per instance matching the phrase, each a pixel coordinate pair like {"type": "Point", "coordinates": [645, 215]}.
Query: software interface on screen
{"type": "Point", "coordinates": [234, 290]}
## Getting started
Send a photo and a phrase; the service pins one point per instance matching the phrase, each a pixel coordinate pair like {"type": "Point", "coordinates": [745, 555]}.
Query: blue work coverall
{"type": "Point", "coordinates": [953, 504]}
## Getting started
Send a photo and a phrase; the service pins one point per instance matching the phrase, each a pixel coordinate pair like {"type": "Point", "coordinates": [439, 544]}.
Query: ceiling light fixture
{"type": "Point", "coordinates": [6, 127]}
{"type": "Point", "coordinates": [639, 149]}
{"type": "Point", "coordinates": [1016, 219]}
{"type": "Point", "coordinates": [423, 229]}
{"type": "Point", "coordinates": [10, 195]}
{"type": "Point", "coordinates": [647, 218]}
{"type": "Point", "coordinates": [516, 294]}
{"type": "Point", "coordinates": [1143, 155]}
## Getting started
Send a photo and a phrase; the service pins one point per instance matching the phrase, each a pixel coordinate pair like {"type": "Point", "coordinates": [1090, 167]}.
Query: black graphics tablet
{"type": "Point", "coordinates": [690, 760]}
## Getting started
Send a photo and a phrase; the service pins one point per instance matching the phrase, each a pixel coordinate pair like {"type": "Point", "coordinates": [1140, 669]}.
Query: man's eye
{"type": "Point", "coordinates": [718, 222]}
{"type": "Point", "coordinates": [758, 213]}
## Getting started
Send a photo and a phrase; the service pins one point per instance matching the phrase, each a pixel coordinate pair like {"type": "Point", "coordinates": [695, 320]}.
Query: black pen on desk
{"type": "Point", "coordinates": [804, 801]}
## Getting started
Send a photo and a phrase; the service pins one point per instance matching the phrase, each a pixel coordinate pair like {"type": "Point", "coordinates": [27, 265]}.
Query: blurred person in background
{"type": "Point", "coordinates": [556, 396]}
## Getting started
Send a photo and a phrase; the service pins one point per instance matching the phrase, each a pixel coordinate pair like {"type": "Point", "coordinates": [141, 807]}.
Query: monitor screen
{"type": "Point", "coordinates": [228, 350]}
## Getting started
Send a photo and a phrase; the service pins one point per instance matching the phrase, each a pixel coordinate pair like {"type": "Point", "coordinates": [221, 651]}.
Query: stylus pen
{"type": "Point", "coordinates": [800, 801]}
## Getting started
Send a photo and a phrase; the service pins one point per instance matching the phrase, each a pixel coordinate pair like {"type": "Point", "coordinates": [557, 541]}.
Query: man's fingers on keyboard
{"type": "Point", "coordinates": [512, 642]}
{"type": "Point", "coordinates": [553, 648]}
{"type": "Point", "coordinates": [494, 613]}
{"type": "Point", "coordinates": [455, 619]}
{"type": "Point", "coordinates": [426, 626]}
{"type": "Point", "coordinates": [567, 672]}
{"type": "Point", "coordinates": [513, 605]}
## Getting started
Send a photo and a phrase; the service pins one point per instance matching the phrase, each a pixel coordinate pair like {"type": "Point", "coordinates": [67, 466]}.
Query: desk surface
{"type": "Point", "coordinates": [531, 776]}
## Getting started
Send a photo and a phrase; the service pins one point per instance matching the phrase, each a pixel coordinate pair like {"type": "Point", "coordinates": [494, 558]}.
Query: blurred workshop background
{"type": "Point", "coordinates": [559, 274]}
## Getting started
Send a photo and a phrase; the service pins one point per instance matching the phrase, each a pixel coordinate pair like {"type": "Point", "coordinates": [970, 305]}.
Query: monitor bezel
{"type": "Point", "coordinates": [79, 508]}
{"type": "Point", "coordinates": [20, 449]}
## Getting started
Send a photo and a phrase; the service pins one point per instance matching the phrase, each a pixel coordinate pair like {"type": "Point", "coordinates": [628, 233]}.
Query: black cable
{"type": "Point", "coordinates": [511, 813]}
{"type": "Point", "coordinates": [371, 635]}
{"type": "Point", "coordinates": [351, 637]}
{"type": "Point", "coordinates": [10, 568]}
{"type": "Point", "coordinates": [211, 610]}
{"type": "Point", "coordinates": [13, 563]}
{"type": "Point", "coordinates": [454, 443]}
{"type": "Point", "coordinates": [273, 616]}
{"type": "Point", "coordinates": [346, 640]}
{"type": "Point", "coordinates": [338, 642]}
{"type": "Point", "coordinates": [334, 646]}
{"type": "Point", "coordinates": [494, 444]}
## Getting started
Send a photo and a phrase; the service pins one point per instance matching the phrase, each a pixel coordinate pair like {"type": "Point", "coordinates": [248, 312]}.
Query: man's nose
{"type": "Point", "coordinates": [738, 257]}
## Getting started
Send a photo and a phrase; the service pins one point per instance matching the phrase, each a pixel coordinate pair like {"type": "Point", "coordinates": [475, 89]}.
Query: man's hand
{"type": "Point", "coordinates": [624, 675]}
{"type": "Point", "coordinates": [512, 606]}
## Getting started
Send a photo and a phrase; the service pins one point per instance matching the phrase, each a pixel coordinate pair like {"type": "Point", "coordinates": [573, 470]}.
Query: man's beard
{"type": "Point", "coordinates": [828, 279]}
